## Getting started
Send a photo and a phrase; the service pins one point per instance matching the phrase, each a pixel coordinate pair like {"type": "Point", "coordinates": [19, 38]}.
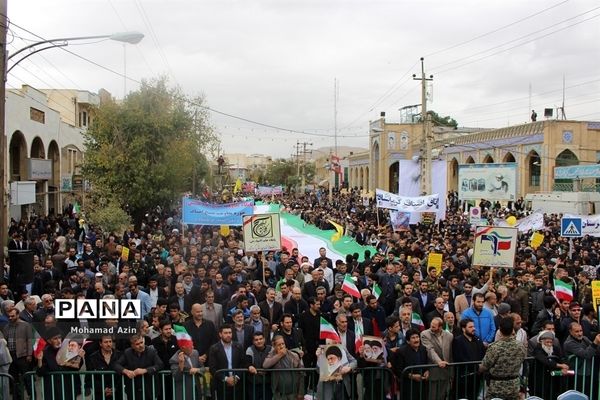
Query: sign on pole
{"type": "Point", "coordinates": [495, 246]}
{"type": "Point", "coordinates": [262, 232]}
{"type": "Point", "coordinates": [570, 227]}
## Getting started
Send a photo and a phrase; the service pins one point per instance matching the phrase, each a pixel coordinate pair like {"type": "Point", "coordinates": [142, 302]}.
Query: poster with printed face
{"type": "Point", "coordinates": [262, 232]}
{"type": "Point", "coordinates": [399, 220]}
{"type": "Point", "coordinates": [331, 361]}
{"type": "Point", "coordinates": [373, 349]}
{"type": "Point", "coordinates": [495, 246]}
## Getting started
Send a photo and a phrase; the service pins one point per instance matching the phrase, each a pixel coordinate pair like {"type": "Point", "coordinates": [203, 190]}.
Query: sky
{"type": "Point", "coordinates": [278, 63]}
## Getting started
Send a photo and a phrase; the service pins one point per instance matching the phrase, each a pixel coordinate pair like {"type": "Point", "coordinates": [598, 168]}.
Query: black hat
{"type": "Point", "coordinates": [53, 332]}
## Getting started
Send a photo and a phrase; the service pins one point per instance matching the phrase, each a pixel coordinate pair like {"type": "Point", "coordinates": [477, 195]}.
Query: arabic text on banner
{"type": "Point", "coordinates": [590, 224]}
{"type": "Point", "coordinates": [196, 212]}
{"type": "Point", "coordinates": [269, 190]}
{"type": "Point", "coordinates": [533, 222]}
{"type": "Point", "coordinates": [262, 232]}
{"type": "Point", "coordinates": [435, 260]}
{"type": "Point", "coordinates": [393, 201]}
{"type": "Point", "coordinates": [495, 246]}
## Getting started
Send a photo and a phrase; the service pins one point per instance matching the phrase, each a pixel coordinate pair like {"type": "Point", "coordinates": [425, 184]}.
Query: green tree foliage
{"type": "Point", "coordinates": [147, 150]}
{"type": "Point", "coordinates": [107, 213]}
{"type": "Point", "coordinates": [285, 172]}
{"type": "Point", "coordinates": [438, 120]}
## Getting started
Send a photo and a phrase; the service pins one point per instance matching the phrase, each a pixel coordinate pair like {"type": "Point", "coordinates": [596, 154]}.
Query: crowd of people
{"type": "Point", "coordinates": [251, 314]}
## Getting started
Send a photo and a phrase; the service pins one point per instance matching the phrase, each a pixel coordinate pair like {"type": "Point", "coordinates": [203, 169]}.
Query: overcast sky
{"type": "Point", "coordinates": [275, 62]}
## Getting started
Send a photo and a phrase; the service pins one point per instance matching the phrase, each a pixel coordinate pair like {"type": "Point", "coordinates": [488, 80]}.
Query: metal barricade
{"type": "Point", "coordinates": [455, 381]}
{"type": "Point", "coordinates": [108, 385]}
{"type": "Point", "coordinates": [586, 378]}
{"type": "Point", "coordinates": [7, 386]}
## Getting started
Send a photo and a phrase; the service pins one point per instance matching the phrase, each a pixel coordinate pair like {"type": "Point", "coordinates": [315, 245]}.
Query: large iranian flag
{"type": "Point", "coordinates": [183, 337]}
{"type": "Point", "coordinates": [563, 290]}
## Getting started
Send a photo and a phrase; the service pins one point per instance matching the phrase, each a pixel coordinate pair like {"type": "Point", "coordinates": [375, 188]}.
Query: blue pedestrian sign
{"type": "Point", "coordinates": [571, 227]}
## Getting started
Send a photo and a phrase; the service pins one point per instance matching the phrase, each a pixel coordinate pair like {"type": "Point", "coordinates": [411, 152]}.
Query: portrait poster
{"type": "Point", "coordinates": [373, 349]}
{"type": "Point", "coordinates": [331, 360]}
{"type": "Point", "coordinates": [487, 181]}
{"type": "Point", "coordinates": [399, 220]}
{"type": "Point", "coordinates": [495, 246]}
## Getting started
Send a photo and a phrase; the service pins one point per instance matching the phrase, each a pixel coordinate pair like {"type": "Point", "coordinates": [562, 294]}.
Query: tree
{"type": "Point", "coordinates": [147, 150]}
{"type": "Point", "coordinates": [438, 120]}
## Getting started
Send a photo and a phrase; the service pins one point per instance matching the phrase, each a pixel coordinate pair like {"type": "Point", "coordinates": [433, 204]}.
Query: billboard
{"type": "Point", "coordinates": [487, 181]}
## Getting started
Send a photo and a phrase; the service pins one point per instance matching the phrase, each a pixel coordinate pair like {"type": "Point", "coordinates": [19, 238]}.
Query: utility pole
{"type": "Point", "coordinates": [3, 145]}
{"type": "Point", "coordinates": [304, 152]}
{"type": "Point", "coordinates": [426, 138]}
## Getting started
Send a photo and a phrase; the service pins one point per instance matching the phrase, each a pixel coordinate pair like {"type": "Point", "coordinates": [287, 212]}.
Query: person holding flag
{"type": "Point", "coordinates": [186, 366]}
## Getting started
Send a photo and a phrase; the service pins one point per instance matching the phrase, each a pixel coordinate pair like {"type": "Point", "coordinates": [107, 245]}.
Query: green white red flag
{"type": "Point", "coordinates": [38, 344]}
{"type": "Point", "coordinates": [349, 286]}
{"type": "Point", "coordinates": [563, 291]}
{"type": "Point", "coordinates": [183, 337]}
{"type": "Point", "coordinates": [328, 332]}
{"type": "Point", "coordinates": [416, 319]}
{"type": "Point", "coordinates": [376, 290]}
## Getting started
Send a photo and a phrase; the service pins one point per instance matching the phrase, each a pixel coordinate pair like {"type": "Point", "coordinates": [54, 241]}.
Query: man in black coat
{"type": "Point", "coordinates": [414, 381]}
{"type": "Point", "coordinates": [270, 309]}
{"type": "Point", "coordinates": [222, 355]}
{"type": "Point", "coordinates": [139, 364]}
{"type": "Point", "coordinates": [467, 348]}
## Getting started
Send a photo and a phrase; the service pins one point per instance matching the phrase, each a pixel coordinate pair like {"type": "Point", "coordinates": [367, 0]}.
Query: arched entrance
{"type": "Point", "coordinates": [508, 157]}
{"type": "Point", "coordinates": [394, 176]}
{"type": "Point", "coordinates": [38, 151]}
{"type": "Point", "coordinates": [469, 160]}
{"type": "Point", "coordinates": [565, 158]}
{"type": "Point", "coordinates": [453, 185]}
{"type": "Point", "coordinates": [366, 179]}
{"type": "Point", "coordinates": [54, 183]}
{"type": "Point", "coordinates": [17, 167]}
{"type": "Point", "coordinates": [375, 172]}
{"type": "Point", "coordinates": [488, 159]}
{"type": "Point", "coordinates": [534, 170]}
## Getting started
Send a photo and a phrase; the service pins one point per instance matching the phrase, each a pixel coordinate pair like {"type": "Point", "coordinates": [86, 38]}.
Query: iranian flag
{"type": "Point", "coordinates": [38, 344]}
{"type": "Point", "coordinates": [183, 337]}
{"type": "Point", "coordinates": [358, 337]}
{"type": "Point", "coordinates": [350, 287]}
{"type": "Point", "coordinates": [328, 332]}
{"type": "Point", "coordinates": [416, 319]}
{"type": "Point", "coordinates": [376, 291]}
{"type": "Point", "coordinates": [563, 291]}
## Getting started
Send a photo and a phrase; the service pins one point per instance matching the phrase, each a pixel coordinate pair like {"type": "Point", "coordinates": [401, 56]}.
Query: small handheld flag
{"type": "Point", "coordinates": [183, 337]}
{"type": "Point", "coordinates": [349, 286]}
{"type": "Point", "coordinates": [328, 332]}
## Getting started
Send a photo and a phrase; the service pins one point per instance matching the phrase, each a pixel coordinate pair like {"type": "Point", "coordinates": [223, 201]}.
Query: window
{"type": "Point", "coordinates": [72, 160]}
{"type": "Point", "coordinates": [37, 115]}
{"type": "Point", "coordinates": [83, 118]}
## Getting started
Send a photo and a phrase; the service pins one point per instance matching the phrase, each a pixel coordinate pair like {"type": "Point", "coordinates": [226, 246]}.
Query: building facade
{"type": "Point", "coordinates": [45, 145]}
{"type": "Point", "coordinates": [536, 147]}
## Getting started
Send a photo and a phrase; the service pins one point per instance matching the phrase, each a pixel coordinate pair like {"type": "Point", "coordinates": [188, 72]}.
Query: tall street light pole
{"type": "Point", "coordinates": [18, 56]}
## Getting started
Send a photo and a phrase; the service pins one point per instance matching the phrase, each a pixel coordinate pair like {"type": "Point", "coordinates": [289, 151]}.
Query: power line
{"type": "Point", "coordinates": [496, 30]}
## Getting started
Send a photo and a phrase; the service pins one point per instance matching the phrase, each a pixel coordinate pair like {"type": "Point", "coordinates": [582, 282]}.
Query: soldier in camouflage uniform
{"type": "Point", "coordinates": [502, 363]}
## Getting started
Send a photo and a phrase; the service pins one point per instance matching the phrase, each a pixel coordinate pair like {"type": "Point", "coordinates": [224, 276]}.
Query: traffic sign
{"type": "Point", "coordinates": [571, 227]}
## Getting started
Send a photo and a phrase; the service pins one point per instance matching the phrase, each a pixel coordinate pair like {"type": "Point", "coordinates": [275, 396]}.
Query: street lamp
{"type": "Point", "coordinates": [20, 55]}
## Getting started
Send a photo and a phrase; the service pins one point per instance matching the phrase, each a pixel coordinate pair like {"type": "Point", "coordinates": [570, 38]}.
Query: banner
{"type": "Point", "coordinates": [269, 190]}
{"type": "Point", "coordinates": [262, 232]}
{"type": "Point", "coordinates": [596, 294]}
{"type": "Point", "coordinates": [435, 260]}
{"type": "Point", "coordinates": [487, 181]}
{"type": "Point", "coordinates": [533, 222]}
{"type": "Point", "coordinates": [495, 246]}
{"type": "Point", "coordinates": [399, 220]}
{"type": "Point", "coordinates": [248, 187]}
{"type": "Point", "coordinates": [475, 218]}
{"type": "Point", "coordinates": [590, 224]}
{"type": "Point", "coordinates": [393, 201]}
{"type": "Point", "coordinates": [196, 212]}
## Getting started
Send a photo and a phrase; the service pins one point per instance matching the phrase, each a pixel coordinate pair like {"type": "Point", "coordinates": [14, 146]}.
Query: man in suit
{"type": "Point", "coordinates": [323, 256]}
{"type": "Point", "coordinates": [185, 364]}
{"type": "Point", "coordinates": [242, 333]}
{"type": "Point", "coordinates": [347, 336]}
{"type": "Point", "coordinates": [181, 298]}
{"type": "Point", "coordinates": [20, 333]}
{"type": "Point", "coordinates": [437, 312]}
{"type": "Point", "coordinates": [462, 302]}
{"type": "Point", "coordinates": [212, 311]}
{"type": "Point", "coordinates": [357, 324]}
{"type": "Point", "coordinates": [438, 344]}
{"type": "Point", "coordinates": [270, 309]}
{"type": "Point", "coordinates": [425, 298]}
{"type": "Point", "coordinates": [223, 355]}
